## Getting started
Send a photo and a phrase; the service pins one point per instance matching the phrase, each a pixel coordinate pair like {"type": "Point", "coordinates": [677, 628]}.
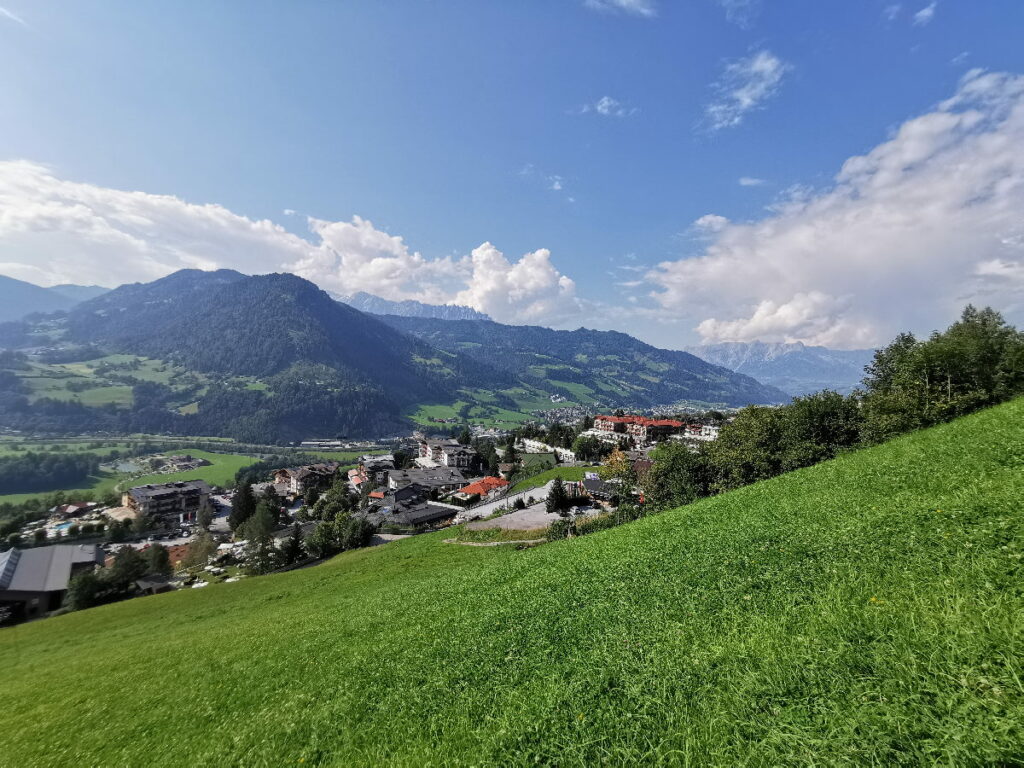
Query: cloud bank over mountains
{"type": "Point", "coordinates": [55, 231]}
{"type": "Point", "coordinates": [906, 234]}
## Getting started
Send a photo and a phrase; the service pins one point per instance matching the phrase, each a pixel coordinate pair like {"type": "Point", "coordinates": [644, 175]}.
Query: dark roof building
{"type": "Point", "coordinates": [180, 501]}
{"type": "Point", "coordinates": [441, 478]}
{"type": "Point", "coordinates": [33, 581]}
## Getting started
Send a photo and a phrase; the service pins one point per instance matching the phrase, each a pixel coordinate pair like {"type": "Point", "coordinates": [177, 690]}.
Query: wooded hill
{"type": "Point", "coordinates": [274, 357]}
{"type": "Point", "coordinates": [591, 365]}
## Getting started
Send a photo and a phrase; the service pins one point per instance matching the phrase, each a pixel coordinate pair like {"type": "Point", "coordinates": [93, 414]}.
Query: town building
{"type": "Point", "coordinates": [486, 488]}
{"type": "Point", "coordinates": [301, 479]}
{"type": "Point", "coordinates": [441, 479]}
{"type": "Point", "coordinates": [446, 453]}
{"type": "Point", "coordinates": [565, 455]}
{"type": "Point", "coordinates": [375, 468]}
{"type": "Point", "coordinates": [640, 428]}
{"type": "Point", "coordinates": [178, 502]}
{"type": "Point", "coordinates": [33, 581]}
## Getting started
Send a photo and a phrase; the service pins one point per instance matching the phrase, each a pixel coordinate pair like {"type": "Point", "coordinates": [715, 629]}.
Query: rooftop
{"type": "Point", "coordinates": [44, 569]}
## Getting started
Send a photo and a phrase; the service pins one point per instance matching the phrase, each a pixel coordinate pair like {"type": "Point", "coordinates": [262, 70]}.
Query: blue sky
{"type": "Point", "coordinates": [594, 132]}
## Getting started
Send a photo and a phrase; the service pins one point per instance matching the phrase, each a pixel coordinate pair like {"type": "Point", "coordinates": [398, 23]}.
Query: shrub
{"type": "Point", "coordinates": [593, 524]}
{"type": "Point", "coordinates": [560, 529]}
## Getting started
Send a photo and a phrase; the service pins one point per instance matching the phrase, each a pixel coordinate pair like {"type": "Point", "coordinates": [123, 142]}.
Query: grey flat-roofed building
{"type": "Point", "coordinates": [180, 501]}
{"type": "Point", "coordinates": [33, 581]}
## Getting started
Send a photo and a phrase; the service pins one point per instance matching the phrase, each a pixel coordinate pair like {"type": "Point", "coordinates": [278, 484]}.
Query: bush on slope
{"type": "Point", "coordinates": [865, 610]}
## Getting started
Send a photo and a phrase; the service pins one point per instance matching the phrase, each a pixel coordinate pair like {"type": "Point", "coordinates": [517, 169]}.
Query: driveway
{"type": "Point", "coordinates": [490, 507]}
{"type": "Point", "coordinates": [527, 519]}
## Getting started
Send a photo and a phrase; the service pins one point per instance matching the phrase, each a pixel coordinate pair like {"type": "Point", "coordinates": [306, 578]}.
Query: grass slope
{"type": "Point", "coordinates": [864, 611]}
{"type": "Point", "coordinates": [566, 473]}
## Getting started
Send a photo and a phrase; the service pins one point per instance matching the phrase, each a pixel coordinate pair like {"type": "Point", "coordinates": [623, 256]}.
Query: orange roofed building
{"type": "Point", "coordinates": [483, 488]}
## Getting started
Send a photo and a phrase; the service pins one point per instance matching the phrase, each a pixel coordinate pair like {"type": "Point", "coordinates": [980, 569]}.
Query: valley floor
{"type": "Point", "coordinates": [867, 610]}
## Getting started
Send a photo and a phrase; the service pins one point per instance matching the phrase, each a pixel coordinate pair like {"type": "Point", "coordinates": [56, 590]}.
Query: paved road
{"type": "Point", "coordinates": [488, 508]}
{"type": "Point", "coordinates": [521, 520]}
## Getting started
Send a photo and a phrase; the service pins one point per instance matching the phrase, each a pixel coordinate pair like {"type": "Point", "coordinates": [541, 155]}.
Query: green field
{"type": "Point", "coordinates": [220, 472]}
{"type": "Point", "coordinates": [566, 473]}
{"type": "Point", "coordinates": [865, 611]}
{"type": "Point", "coordinates": [101, 381]}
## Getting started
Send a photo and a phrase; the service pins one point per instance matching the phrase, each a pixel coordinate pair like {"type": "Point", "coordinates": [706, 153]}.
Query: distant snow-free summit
{"type": "Point", "coordinates": [794, 367]}
{"type": "Point", "coordinates": [375, 305]}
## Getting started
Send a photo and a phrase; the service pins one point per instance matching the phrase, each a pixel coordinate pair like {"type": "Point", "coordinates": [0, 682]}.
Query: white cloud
{"type": "Point", "coordinates": [711, 222]}
{"type": "Point", "coordinates": [553, 182]}
{"type": "Point", "coordinates": [530, 289]}
{"type": "Point", "coordinates": [645, 8]}
{"type": "Point", "coordinates": [10, 15]}
{"type": "Point", "coordinates": [960, 58]}
{"type": "Point", "coordinates": [744, 86]}
{"type": "Point", "coordinates": [740, 12]}
{"type": "Point", "coordinates": [608, 107]}
{"type": "Point", "coordinates": [890, 12]}
{"type": "Point", "coordinates": [750, 181]}
{"type": "Point", "coordinates": [925, 15]}
{"type": "Point", "coordinates": [907, 234]}
{"type": "Point", "coordinates": [55, 231]}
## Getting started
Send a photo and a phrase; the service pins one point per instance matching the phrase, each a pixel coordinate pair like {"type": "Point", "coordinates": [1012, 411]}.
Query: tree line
{"type": "Point", "coordinates": [910, 384]}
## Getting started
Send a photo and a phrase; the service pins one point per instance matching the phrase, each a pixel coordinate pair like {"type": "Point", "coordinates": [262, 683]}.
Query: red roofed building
{"type": "Point", "coordinates": [640, 428]}
{"type": "Point", "coordinates": [482, 488]}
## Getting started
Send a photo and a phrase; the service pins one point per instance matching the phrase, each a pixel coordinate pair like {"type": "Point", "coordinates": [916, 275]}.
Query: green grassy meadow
{"type": "Point", "coordinates": [220, 472]}
{"type": "Point", "coordinates": [866, 611]}
{"type": "Point", "coordinates": [566, 473]}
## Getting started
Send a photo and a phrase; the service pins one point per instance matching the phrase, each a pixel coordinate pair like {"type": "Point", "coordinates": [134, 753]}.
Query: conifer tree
{"type": "Point", "coordinates": [243, 506]}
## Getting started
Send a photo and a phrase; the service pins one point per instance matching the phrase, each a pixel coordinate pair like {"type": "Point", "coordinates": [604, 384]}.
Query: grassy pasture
{"type": "Point", "coordinates": [566, 473]}
{"type": "Point", "coordinates": [865, 611]}
{"type": "Point", "coordinates": [220, 472]}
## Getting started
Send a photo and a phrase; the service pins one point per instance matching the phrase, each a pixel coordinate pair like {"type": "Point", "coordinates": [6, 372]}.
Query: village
{"type": "Point", "coordinates": [187, 534]}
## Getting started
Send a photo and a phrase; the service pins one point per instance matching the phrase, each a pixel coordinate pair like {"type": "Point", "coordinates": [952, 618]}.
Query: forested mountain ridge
{"type": "Point", "coordinates": [263, 325]}
{"type": "Point", "coordinates": [273, 357]}
{"type": "Point", "coordinates": [607, 365]}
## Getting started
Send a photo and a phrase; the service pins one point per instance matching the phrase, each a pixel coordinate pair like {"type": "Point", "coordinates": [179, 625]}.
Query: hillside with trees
{"type": "Point", "coordinates": [272, 358]}
{"type": "Point", "coordinates": [604, 366]}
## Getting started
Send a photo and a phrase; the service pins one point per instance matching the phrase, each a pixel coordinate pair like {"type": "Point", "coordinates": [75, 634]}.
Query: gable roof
{"type": "Point", "coordinates": [484, 486]}
{"type": "Point", "coordinates": [44, 569]}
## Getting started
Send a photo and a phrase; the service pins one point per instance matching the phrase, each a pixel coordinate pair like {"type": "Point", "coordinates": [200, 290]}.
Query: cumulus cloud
{"type": "Point", "coordinates": [744, 86]}
{"type": "Point", "coordinates": [750, 181]}
{"type": "Point", "coordinates": [54, 231]}
{"type": "Point", "coordinates": [905, 236]}
{"type": "Point", "coordinates": [710, 222]}
{"type": "Point", "coordinates": [529, 289]}
{"type": "Point", "coordinates": [645, 8]}
{"type": "Point", "coordinates": [925, 15]}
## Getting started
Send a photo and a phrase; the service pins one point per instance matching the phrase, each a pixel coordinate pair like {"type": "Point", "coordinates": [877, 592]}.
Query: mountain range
{"type": "Point", "coordinates": [375, 305]}
{"type": "Point", "coordinates": [590, 366]}
{"type": "Point", "coordinates": [274, 357]}
{"type": "Point", "coordinates": [795, 368]}
{"type": "Point", "coordinates": [19, 298]}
